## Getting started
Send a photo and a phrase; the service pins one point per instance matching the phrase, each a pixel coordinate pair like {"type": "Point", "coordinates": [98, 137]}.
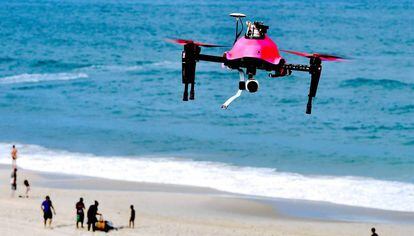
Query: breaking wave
{"type": "Point", "coordinates": [35, 78]}
{"type": "Point", "coordinates": [348, 190]}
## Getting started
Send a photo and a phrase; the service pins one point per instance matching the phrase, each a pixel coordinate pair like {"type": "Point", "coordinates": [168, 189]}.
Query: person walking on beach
{"type": "Point", "coordinates": [13, 181]}
{"type": "Point", "coordinates": [47, 208]}
{"type": "Point", "coordinates": [80, 215]}
{"type": "Point", "coordinates": [132, 218]}
{"type": "Point", "coordinates": [92, 212]}
{"type": "Point", "coordinates": [14, 157]}
{"type": "Point", "coordinates": [373, 232]}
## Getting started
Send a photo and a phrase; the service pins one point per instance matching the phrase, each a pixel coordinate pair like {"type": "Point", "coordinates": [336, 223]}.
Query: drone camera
{"type": "Point", "coordinates": [252, 85]}
{"type": "Point", "coordinates": [261, 27]}
{"type": "Point", "coordinates": [256, 30]}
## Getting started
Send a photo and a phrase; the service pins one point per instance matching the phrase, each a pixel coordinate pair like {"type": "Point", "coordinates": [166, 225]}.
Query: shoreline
{"type": "Point", "coordinates": [241, 180]}
{"type": "Point", "coordinates": [286, 208]}
{"type": "Point", "coordinates": [164, 209]}
{"type": "Point", "coordinates": [292, 208]}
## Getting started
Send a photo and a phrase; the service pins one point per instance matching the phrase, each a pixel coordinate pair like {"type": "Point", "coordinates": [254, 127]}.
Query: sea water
{"type": "Point", "coordinates": [92, 88]}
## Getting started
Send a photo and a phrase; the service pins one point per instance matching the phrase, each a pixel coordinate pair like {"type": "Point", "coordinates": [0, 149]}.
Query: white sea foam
{"type": "Point", "coordinates": [34, 78]}
{"type": "Point", "coordinates": [160, 65]}
{"type": "Point", "coordinates": [355, 191]}
{"type": "Point", "coordinates": [115, 68]}
{"type": "Point", "coordinates": [135, 68]}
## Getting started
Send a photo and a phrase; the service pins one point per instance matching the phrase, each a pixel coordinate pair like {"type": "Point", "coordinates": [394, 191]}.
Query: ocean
{"type": "Point", "coordinates": [92, 88]}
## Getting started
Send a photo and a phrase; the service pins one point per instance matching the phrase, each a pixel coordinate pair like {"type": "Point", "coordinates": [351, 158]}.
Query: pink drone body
{"type": "Point", "coordinates": [264, 49]}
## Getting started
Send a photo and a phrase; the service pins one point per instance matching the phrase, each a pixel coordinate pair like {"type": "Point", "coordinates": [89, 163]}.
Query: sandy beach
{"type": "Point", "coordinates": [165, 210]}
{"type": "Point", "coordinates": [211, 118]}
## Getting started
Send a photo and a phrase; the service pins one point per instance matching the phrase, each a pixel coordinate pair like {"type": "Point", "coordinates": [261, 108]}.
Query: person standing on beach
{"type": "Point", "coordinates": [92, 212]}
{"type": "Point", "coordinates": [13, 181]}
{"type": "Point", "coordinates": [373, 232]}
{"type": "Point", "coordinates": [47, 208]}
{"type": "Point", "coordinates": [80, 215]}
{"type": "Point", "coordinates": [14, 157]}
{"type": "Point", "coordinates": [132, 218]}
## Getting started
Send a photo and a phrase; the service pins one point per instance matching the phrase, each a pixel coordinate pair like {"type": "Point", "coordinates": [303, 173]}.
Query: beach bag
{"type": "Point", "coordinates": [100, 225]}
{"type": "Point", "coordinates": [104, 225]}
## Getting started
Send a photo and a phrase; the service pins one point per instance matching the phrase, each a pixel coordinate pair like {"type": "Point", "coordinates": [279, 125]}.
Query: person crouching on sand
{"type": "Point", "coordinates": [14, 157]}
{"type": "Point", "coordinates": [47, 208]}
{"type": "Point", "coordinates": [373, 232]}
{"type": "Point", "coordinates": [26, 183]}
{"type": "Point", "coordinates": [132, 218]}
{"type": "Point", "coordinates": [80, 215]}
{"type": "Point", "coordinates": [13, 181]}
{"type": "Point", "coordinates": [92, 212]}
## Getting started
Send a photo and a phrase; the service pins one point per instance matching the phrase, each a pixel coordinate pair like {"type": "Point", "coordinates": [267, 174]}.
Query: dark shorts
{"type": "Point", "coordinates": [13, 186]}
{"type": "Point", "coordinates": [92, 220]}
{"type": "Point", "coordinates": [132, 219]}
{"type": "Point", "coordinates": [80, 217]}
{"type": "Point", "coordinates": [47, 215]}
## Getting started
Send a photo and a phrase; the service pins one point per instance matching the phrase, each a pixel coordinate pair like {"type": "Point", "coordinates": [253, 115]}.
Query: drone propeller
{"type": "Point", "coordinates": [323, 57]}
{"type": "Point", "coordinates": [187, 41]}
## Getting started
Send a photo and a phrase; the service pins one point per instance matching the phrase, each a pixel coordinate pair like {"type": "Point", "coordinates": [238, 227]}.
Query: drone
{"type": "Point", "coordinates": [249, 53]}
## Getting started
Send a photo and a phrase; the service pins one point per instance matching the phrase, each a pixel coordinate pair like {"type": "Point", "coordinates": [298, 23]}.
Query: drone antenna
{"type": "Point", "coordinates": [238, 17]}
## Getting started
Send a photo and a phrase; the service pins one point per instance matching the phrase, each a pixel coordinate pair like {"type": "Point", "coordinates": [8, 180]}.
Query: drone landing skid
{"type": "Point", "coordinates": [231, 99]}
{"type": "Point", "coordinates": [238, 93]}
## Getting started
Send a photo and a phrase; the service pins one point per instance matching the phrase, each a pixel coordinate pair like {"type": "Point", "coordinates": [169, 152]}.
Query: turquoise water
{"type": "Point", "coordinates": [97, 77]}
